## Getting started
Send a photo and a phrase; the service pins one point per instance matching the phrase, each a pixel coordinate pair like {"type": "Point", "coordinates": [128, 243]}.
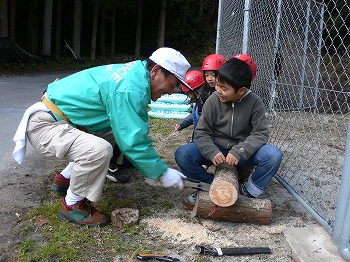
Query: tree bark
{"type": "Point", "coordinates": [33, 26]}
{"type": "Point", "coordinates": [246, 210]}
{"type": "Point", "coordinates": [161, 31]}
{"type": "Point", "coordinates": [113, 32]}
{"type": "Point", "coordinates": [46, 50]}
{"type": "Point", "coordinates": [13, 20]}
{"type": "Point", "coordinates": [58, 28]}
{"type": "Point", "coordinates": [225, 187]}
{"type": "Point", "coordinates": [77, 27]}
{"type": "Point", "coordinates": [103, 32]}
{"type": "Point", "coordinates": [138, 28]}
{"type": "Point", "coordinates": [3, 18]}
{"type": "Point", "coordinates": [201, 8]}
{"type": "Point", "coordinates": [94, 34]}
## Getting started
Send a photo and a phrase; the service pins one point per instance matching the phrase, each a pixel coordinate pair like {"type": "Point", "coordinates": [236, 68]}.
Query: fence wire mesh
{"type": "Point", "coordinates": [301, 49]}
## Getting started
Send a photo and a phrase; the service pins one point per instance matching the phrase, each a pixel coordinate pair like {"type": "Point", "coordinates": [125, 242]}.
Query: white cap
{"type": "Point", "coordinates": [173, 61]}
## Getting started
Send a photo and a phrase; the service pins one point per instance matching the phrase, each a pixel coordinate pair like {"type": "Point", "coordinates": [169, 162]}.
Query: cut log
{"type": "Point", "coordinates": [246, 210]}
{"type": "Point", "coordinates": [122, 217]}
{"type": "Point", "coordinates": [225, 187]}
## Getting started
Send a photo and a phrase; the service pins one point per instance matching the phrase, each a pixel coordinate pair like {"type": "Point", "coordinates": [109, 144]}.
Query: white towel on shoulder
{"type": "Point", "coordinates": [20, 137]}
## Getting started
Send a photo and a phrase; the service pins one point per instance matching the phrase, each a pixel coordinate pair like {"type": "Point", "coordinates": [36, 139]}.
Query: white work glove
{"type": "Point", "coordinates": [172, 178]}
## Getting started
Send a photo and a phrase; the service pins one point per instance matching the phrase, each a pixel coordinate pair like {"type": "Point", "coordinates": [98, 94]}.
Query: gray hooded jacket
{"type": "Point", "coordinates": [240, 127]}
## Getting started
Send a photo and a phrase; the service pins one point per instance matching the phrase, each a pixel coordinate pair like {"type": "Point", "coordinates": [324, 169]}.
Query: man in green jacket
{"type": "Point", "coordinates": [83, 115]}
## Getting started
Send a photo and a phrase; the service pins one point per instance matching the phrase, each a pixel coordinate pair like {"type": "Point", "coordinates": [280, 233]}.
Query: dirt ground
{"type": "Point", "coordinates": [287, 212]}
{"type": "Point", "coordinates": [21, 189]}
{"type": "Point", "coordinates": [176, 227]}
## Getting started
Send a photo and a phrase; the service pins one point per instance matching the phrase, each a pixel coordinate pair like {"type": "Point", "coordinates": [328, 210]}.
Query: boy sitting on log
{"type": "Point", "coordinates": [232, 130]}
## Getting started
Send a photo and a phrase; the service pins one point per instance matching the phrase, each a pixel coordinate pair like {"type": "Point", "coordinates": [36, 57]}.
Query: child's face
{"type": "Point", "coordinates": [227, 93]}
{"type": "Point", "coordinates": [210, 78]}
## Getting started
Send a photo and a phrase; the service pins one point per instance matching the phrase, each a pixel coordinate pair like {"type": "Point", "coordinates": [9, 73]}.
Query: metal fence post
{"type": "Point", "coordinates": [306, 42]}
{"type": "Point", "coordinates": [218, 28]}
{"type": "Point", "coordinates": [246, 27]}
{"type": "Point", "coordinates": [317, 80]}
{"type": "Point", "coordinates": [341, 228]}
{"type": "Point", "coordinates": [276, 54]}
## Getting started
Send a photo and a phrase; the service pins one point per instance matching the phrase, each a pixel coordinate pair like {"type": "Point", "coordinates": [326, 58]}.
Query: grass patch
{"type": "Point", "coordinates": [164, 127]}
{"type": "Point", "coordinates": [47, 238]}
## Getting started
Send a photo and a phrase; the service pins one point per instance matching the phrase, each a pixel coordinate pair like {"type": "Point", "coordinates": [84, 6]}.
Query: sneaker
{"type": "Point", "coordinates": [83, 214]}
{"type": "Point", "coordinates": [60, 183]}
{"type": "Point", "coordinates": [243, 190]}
{"type": "Point", "coordinates": [192, 198]}
{"type": "Point", "coordinates": [190, 201]}
{"type": "Point", "coordinates": [116, 175]}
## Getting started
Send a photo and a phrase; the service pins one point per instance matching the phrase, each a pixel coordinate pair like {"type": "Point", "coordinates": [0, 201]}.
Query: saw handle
{"type": "Point", "coordinates": [237, 251]}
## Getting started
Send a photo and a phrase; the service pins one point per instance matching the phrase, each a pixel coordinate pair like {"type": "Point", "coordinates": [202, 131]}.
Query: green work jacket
{"type": "Point", "coordinates": [113, 97]}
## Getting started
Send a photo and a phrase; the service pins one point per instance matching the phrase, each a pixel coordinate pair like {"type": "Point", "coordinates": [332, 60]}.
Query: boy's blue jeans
{"type": "Point", "coordinates": [266, 162]}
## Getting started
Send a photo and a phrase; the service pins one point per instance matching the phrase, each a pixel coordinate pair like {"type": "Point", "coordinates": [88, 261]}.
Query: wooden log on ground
{"type": "Point", "coordinates": [122, 217]}
{"type": "Point", "coordinates": [246, 210]}
{"type": "Point", "coordinates": [225, 187]}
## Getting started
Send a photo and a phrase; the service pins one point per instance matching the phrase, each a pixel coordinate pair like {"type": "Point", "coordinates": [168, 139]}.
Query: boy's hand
{"type": "Point", "coordinates": [177, 127]}
{"type": "Point", "coordinates": [219, 159]}
{"type": "Point", "coordinates": [231, 160]}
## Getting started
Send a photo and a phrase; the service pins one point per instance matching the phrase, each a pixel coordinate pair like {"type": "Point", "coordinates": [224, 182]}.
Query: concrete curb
{"type": "Point", "coordinates": [311, 244]}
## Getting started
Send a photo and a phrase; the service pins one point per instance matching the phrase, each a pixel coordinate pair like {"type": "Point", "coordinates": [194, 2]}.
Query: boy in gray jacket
{"type": "Point", "coordinates": [232, 130]}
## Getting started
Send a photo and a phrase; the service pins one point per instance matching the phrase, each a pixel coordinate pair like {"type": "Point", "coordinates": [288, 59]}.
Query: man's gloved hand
{"type": "Point", "coordinates": [172, 178]}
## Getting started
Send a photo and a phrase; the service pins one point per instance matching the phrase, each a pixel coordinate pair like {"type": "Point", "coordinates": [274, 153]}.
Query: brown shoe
{"type": "Point", "coordinates": [60, 183]}
{"type": "Point", "coordinates": [83, 214]}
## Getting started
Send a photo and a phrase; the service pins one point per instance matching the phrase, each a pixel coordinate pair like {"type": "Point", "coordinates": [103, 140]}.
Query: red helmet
{"type": "Point", "coordinates": [194, 79]}
{"type": "Point", "coordinates": [213, 62]}
{"type": "Point", "coordinates": [247, 59]}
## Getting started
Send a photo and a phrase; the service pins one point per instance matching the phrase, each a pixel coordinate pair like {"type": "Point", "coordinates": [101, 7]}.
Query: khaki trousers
{"type": "Point", "coordinates": [90, 153]}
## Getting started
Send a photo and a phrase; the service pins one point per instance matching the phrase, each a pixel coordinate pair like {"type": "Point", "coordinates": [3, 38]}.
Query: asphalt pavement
{"type": "Point", "coordinates": [19, 183]}
{"type": "Point", "coordinates": [17, 94]}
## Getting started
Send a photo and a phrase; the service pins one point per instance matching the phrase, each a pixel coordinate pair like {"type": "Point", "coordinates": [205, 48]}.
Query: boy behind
{"type": "Point", "coordinates": [233, 130]}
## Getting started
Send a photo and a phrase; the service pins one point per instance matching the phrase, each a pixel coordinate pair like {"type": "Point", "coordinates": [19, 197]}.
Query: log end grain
{"type": "Point", "coordinates": [223, 194]}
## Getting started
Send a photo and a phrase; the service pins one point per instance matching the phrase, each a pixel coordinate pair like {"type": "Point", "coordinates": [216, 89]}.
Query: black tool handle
{"type": "Point", "coordinates": [157, 257]}
{"type": "Point", "coordinates": [239, 251]}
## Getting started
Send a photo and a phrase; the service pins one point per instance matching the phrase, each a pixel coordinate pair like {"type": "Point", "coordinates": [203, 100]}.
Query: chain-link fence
{"type": "Point", "coordinates": [301, 49]}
